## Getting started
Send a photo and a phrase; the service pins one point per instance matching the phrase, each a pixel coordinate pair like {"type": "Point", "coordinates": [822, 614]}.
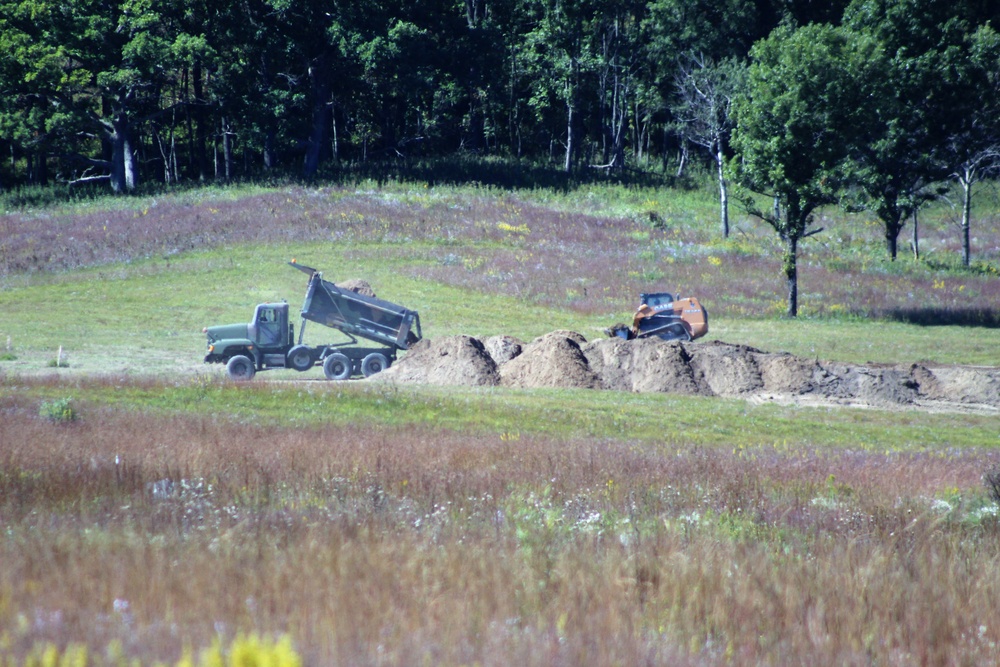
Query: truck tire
{"type": "Point", "coordinates": [376, 362]}
{"type": "Point", "coordinates": [337, 367]}
{"type": "Point", "coordinates": [240, 368]}
{"type": "Point", "coordinates": [300, 358]}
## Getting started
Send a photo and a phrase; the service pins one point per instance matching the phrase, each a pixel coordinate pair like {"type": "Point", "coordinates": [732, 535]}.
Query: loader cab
{"type": "Point", "coordinates": [269, 327]}
{"type": "Point", "coordinates": [655, 299]}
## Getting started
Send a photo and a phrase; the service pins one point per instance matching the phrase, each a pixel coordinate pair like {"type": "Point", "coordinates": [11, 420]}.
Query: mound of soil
{"type": "Point", "coordinates": [552, 360]}
{"type": "Point", "coordinates": [358, 286]}
{"type": "Point", "coordinates": [928, 385]}
{"type": "Point", "coordinates": [712, 368]}
{"type": "Point", "coordinates": [727, 370]}
{"type": "Point", "coordinates": [565, 333]}
{"type": "Point", "coordinates": [959, 384]}
{"type": "Point", "coordinates": [644, 365]}
{"type": "Point", "coordinates": [502, 348]}
{"type": "Point", "coordinates": [787, 374]}
{"type": "Point", "coordinates": [453, 360]}
{"type": "Point", "coordinates": [870, 385]}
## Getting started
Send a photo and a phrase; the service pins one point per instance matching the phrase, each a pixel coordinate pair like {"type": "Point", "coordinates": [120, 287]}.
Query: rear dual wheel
{"type": "Point", "coordinates": [337, 367]}
{"type": "Point", "coordinates": [376, 362]}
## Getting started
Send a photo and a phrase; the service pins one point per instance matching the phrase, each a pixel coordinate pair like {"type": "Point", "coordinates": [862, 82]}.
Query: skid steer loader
{"type": "Point", "coordinates": [665, 317]}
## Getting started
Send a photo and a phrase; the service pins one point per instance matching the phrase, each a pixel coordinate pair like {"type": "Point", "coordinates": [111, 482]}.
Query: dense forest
{"type": "Point", "coordinates": [124, 90]}
{"type": "Point", "coordinates": [870, 104]}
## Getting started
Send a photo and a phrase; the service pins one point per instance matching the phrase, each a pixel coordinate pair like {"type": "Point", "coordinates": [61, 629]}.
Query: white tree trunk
{"type": "Point", "coordinates": [967, 178]}
{"type": "Point", "coordinates": [723, 192]}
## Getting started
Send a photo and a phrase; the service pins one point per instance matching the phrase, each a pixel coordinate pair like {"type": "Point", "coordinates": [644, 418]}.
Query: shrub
{"type": "Point", "coordinates": [60, 410]}
{"type": "Point", "coordinates": [991, 478]}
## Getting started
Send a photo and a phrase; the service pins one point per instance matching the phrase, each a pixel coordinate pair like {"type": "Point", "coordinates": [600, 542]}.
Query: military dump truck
{"type": "Point", "coordinates": [268, 341]}
{"type": "Point", "coordinates": [663, 316]}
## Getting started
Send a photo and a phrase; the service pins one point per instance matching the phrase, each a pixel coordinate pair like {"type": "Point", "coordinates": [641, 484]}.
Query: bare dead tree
{"type": "Point", "coordinates": [705, 93]}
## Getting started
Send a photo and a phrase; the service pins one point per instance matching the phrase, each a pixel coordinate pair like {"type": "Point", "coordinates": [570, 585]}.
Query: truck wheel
{"type": "Point", "coordinates": [376, 362]}
{"type": "Point", "coordinates": [240, 368]}
{"type": "Point", "coordinates": [300, 358]}
{"type": "Point", "coordinates": [337, 367]}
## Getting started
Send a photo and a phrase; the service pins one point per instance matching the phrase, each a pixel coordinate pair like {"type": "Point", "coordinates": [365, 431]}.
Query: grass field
{"type": "Point", "coordinates": [151, 509]}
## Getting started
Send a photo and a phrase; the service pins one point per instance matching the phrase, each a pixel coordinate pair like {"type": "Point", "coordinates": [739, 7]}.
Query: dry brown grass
{"type": "Point", "coordinates": [382, 546]}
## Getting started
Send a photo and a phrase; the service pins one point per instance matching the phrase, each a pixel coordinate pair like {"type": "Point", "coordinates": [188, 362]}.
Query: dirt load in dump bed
{"type": "Point", "coordinates": [712, 368]}
{"type": "Point", "coordinates": [358, 286]}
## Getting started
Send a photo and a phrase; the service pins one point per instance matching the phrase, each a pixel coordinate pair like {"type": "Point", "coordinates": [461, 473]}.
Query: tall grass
{"type": "Point", "coordinates": [584, 250]}
{"type": "Point", "coordinates": [384, 545]}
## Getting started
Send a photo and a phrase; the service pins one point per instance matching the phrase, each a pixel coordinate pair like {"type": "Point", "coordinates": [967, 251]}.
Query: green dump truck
{"type": "Point", "coordinates": [269, 342]}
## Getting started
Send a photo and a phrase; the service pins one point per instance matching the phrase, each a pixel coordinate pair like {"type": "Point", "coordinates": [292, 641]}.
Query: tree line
{"type": "Point", "coordinates": [868, 103]}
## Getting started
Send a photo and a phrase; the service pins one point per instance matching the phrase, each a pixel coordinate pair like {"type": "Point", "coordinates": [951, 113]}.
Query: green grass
{"type": "Point", "coordinates": [863, 341]}
{"type": "Point", "coordinates": [573, 415]}
{"type": "Point", "coordinates": [147, 316]}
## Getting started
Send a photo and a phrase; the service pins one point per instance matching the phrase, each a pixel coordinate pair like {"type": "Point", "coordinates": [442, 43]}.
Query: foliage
{"type": "Point", "coordinates": [59, 410]}
{"type": "Point", "coordinates": [928, 50]}
{"type": "Point", "coordinates": [243, 651]}
{"type": "Point", "coordinates": [796, 122]}
{"type": "Point", "coordinates": [127, 92]}
{"type": "Point", "coordinates": [705, 92]}
{"type": "Point", "coordinates": [991, 478]}
{"type": "Point", "coordinates": [79, 75]}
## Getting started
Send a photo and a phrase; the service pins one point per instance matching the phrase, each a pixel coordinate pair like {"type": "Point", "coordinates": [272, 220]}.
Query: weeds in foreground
{"type": "Point", "coordinates": [59, 410]}
{"type": "Point", "coordinates": [991, 478]}
{"type": "Point", "coordinates": [393, 546]}
{"type": "Point", "coordinates": [244, 651]}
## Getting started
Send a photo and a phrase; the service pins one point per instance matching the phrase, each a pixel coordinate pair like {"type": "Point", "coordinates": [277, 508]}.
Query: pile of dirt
{"type": "Point", "coordinates": [713, 368]}
{"type": "Point", "coordinates": [552, 360]}
{"type": "Point", "coordinates": [358, 286]}
{"type": "Point", "coordinates": [502, 348]}
{"type": "Point", "coordinates": [644, 365]}
{"type": "Point", "coordinates": [871, 385]}
{"type": "Point", "coordinates": [787, 374]}
{"type": "Point", "coordinates": [727, 370]}
{"type": "Point", "coordinates": [960, 384]}
{"type": "Point", "coordinates": [455, 360]}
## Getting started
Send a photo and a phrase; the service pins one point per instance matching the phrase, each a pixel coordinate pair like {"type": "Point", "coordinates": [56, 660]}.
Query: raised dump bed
{"type": "Point", "coordinates": [358, 315]}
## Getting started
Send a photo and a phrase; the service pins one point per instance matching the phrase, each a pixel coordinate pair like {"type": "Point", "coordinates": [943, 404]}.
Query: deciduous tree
{"type": "Point", "coordinates": [795, 122]}
{"type": "Point", "coordinates": [927, 96]}
{"type": "Point", "coordinates": [88, 71]}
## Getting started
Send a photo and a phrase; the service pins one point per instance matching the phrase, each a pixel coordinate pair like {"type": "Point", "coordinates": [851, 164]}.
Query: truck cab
{"type": "Point", "coordinates": [266, 335]}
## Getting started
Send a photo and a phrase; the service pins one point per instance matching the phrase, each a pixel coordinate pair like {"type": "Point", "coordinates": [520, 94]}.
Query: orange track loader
{"type": "Point", "coordinates": [661, 315]}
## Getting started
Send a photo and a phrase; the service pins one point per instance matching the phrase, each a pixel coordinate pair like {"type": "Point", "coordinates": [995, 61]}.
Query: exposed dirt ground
{"type": "Point", "coordinates": [567, 359]}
